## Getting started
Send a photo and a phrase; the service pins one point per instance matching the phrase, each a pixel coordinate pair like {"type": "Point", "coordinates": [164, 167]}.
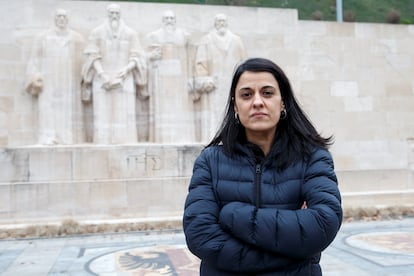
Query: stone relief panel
{"type": "Point", "coordinates": [217, 54]}
{"type": "Point", "coordinates": [53, 78]}
{"type": "Point", "coordinates": [111, 90]}
{"type": "Point", "coordinates": [112, 75]}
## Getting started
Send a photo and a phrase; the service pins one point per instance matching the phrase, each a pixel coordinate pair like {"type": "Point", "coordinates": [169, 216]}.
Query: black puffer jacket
{"type": "Point", "coordinates": [245, 218]}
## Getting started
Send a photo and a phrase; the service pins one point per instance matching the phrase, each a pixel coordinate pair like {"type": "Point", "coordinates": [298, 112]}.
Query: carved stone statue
{"type": "Point", "coordinates": [216, 56]}
{"type": "Point", "coordinates": [171, 106]}
{"type": "Point", "coordinates": [112, 75]}
{"type": "Point", "coordinates": [53, 77]}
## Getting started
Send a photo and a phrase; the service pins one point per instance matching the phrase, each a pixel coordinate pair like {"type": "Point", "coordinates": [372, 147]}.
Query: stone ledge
{"type": "Point", "coordinates": [377, 199]}
{"type": "Point", "coordinates": [68, 227]}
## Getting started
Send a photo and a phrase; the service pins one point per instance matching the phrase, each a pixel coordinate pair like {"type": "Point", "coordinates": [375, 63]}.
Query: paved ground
{"type": "Point", "coordinates": [361, 248]}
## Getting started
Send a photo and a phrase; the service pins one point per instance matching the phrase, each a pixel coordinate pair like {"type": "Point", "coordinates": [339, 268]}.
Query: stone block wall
{"type": "Point", "coordinates": [355, 81]}
{"type": "Point", "coordinates": [145, 181]}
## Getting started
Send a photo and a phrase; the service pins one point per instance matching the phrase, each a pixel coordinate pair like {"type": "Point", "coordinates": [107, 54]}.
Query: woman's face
{"type": "Point", "coordinates": [258, 102]}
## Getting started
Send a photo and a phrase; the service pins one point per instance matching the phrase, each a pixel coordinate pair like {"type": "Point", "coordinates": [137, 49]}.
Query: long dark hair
{"type": "Point", "coordinates": [295, 137]}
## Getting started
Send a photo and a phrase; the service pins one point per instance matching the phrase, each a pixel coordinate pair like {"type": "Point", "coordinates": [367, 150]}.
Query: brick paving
{"type": "Point", "coordinates": [361, 248]}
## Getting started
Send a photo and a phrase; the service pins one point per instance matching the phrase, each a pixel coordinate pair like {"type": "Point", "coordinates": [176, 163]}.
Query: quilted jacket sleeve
{"type": "Point", "coordinates": [293, 233]}
{"type": "Point", "coordinates": [207, 240]}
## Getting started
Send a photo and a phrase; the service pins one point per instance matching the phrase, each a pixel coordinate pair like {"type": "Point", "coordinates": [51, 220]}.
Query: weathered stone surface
{"type": "Point", "coordinates": [353, 79]}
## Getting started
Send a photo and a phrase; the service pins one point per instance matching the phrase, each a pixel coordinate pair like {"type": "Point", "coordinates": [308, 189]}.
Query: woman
{"type": "Point", "coordinates": [263, 198]}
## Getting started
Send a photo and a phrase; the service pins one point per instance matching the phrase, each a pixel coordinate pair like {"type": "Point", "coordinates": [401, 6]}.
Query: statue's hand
{"type": "Point", "coordinates": [104, 80]}
{"type": "Point", "coordinates": [208, 86]}
{"type": "Point", "coordinates": [204, 84]}
{"type": "Point", "coordinates": [37, 83]}
{"type": "Point", "coordinates": [35, 86]}
{"type": "Point", "coordinates": [123, 73]}
{"type": "Point", "coordinates": [155, 53]}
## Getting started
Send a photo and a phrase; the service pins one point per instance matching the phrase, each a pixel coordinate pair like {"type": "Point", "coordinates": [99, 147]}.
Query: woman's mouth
{"type": "Point", "coordinates": [258, 114]}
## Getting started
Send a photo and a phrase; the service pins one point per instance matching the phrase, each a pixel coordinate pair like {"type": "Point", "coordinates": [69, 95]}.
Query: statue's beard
{"type": "Point", "coordinates": [170, 28]}
{"type": "Point", "coordinates": [169, 33]}
{"type": "Point", "coordinates": [222, 30]}
{"type": "Point", "coordinates": [114, 24]}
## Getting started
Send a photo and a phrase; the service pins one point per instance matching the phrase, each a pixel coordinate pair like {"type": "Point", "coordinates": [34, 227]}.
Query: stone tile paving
{"type": "Point", "coordinates": [372, 248]}
{"type": "Point", "coordinates": [361, 248]}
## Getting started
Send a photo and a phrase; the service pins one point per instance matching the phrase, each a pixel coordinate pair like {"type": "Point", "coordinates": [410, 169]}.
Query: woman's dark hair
{"type": "Point", "coordinates": [295, 137]}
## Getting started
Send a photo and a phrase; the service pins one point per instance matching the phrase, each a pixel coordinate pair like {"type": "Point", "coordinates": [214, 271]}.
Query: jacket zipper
{"type": "Point", "coordinates": [257, 184]}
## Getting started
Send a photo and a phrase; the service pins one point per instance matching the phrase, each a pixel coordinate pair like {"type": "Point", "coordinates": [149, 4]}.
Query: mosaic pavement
{"type": "Point", "coordinates": [361, 248]}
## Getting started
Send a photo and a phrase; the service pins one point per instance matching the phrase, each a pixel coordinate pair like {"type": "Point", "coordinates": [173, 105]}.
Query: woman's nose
{"type": "Point", "coordinates": [257, 100]}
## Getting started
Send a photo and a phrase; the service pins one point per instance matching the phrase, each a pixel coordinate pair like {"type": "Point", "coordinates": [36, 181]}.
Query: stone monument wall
{"type": "Point", "coordinates": [355, 81]}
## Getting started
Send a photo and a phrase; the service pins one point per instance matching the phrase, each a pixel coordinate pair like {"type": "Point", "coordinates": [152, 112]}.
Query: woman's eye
{"type": "Point", "coordinates": [268, 93]}
{"type": "Point", "coordinates": [246, 95]}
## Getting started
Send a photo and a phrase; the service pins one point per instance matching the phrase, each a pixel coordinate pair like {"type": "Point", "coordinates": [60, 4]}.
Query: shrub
{"type": "Point", "coordinates": [69, 227]}
{"type": "Point", "coordinates": [393, 16]}
{"type": "Point", "coordinates": [349, 16]}
{"type": "Point", "coordinates": [235, 2]}
{"type": "Point", "coordinates": [317, 15]}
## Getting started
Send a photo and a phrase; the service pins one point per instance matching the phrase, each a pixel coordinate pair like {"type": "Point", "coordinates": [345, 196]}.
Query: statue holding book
{"type": "Point", "coordinates": [113, 74]}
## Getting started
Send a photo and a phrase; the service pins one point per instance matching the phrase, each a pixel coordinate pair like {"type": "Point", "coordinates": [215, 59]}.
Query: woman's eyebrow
{"type": "Point", "coordinates": [248, 88]}
{"type": "Point", "coordinates": [268, 86]}
{"type": "Point", "coordinates": [244, 88]}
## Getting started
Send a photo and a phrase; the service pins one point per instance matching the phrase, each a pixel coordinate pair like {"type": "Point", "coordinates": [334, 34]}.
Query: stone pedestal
{"type": "Point", "coordinates": [95, 182]}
